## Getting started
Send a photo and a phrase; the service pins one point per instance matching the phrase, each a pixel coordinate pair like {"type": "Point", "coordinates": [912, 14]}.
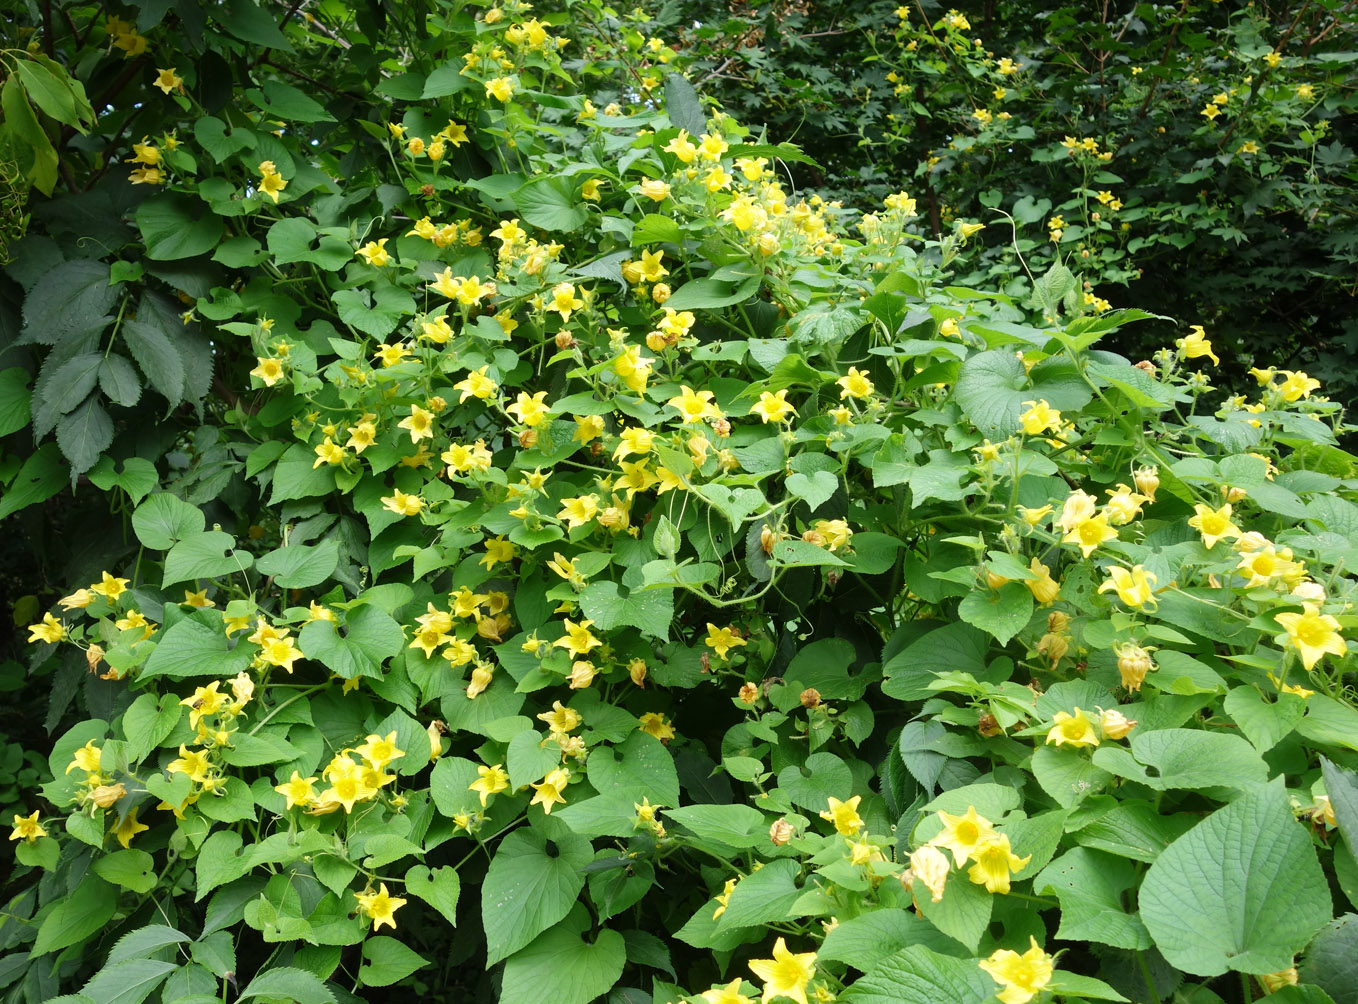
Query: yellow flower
{"type": "Point", "coordinates": [280, 652]}
{"type": "Point", "coordinates": [844, 815]}
{"type": "Point", "coordinates": [994, 862]}
{"type": "Point", "coordinates": [204, 701]}
{"type": "Point", "coordinates": [78, 600]}
{"type": "Point", "coordinates": [588, 428]}
{"type": "Point", "coordinates": [420, 424]}
{"type": "Point", "coordinates": [1076, 729]}
{"type": "Point", "coordinates": [654, 189]}
{"type": "Point", "coordinates": [786, 974]}
{"type": "Point", "coordinates": [27, 828]}
{"type": "Point", "coordinates": [722, 640]}
{"type": "Point", "coordinates": [654, 724]}
{"type": "Point", "coordinates": [855, 384]}
{"type": "Point", "coordinates": [772, 407]}
{"type": "Point", "coordinates": [962, 834]}
{"type": "Point", "coordinates": [682, 147]}
{"type": "Point", "coordinates": [381, 906]}
{"type": "Point", "coordinates": [297, 790]}
{"type": "Point", "coordinates": [729, 994]}
{"type": "Point", "coordinates": [530, 409]}
{"type": "Point", "coordinates": [402, 504]}
{"type": "Point", "coordinates": [1196, 345]}
{"type": "Point", "coordinates": [500, 88]}
{"type": "Point", "coordinates": [168, 80]}
{"type": "Point", "coordinates": [1123, 505]}
{"type": "Point", "coordinates": [561, 719]}
{"type": "Point", "coordinates": [476, 384]}
{"type": "Point", "coordinates": [1134, 586]}
{"type": "Point", "coordinates": [1213, 524]}
{"type": "Point", "coordinates": [578, 640]}
{"type": "Point", "coordinates": [271, 183]}
{"type": "Point", "coordinates": [110, 587]}
{"type": "Point", "coordinates": [1088, 534]}
{"type": "Point", "coordinates": [86, 758]}
{"type": "Point", "coordinates": [1114, 724]}
{"type": "Point", "coordinates": [49, 629]}
{"type": "Point", "coordinates": [1312, 634]}
{"type": "Point", "coordinates": [498, 552]}
{"type": "Point", "coordinates": [328, 452]}
{"type": "Point", "coordinates": [127, 828]}
{"type": "Point", "coordinates": [589, 191]}
{"type": "Point", "coordinates": [1021, 976]}
{"type": "Point", "coordinates": [194, 763]}
{"type": "Point", "coordinates": [930, 866]}
{"type": "Point", "coordinates": [489, 781]}
{"type": "Point", "coordinates": [578, 511]}
{"type": "Point", "coordinates": [1297, 385]}
{"type": "Point", "coordinates": [1134, 662]}
{"type": "Point", "coordinates": [694, 406]}
{"type": "Point", "coordinates": [564, 301]}
{"type": "Point", "coordinates": [375, 253]}
{"type": "Point", "coordinates": [547, 792]}
{"type": "Point", "coordinates": [1039, 418]}
{"type": "Point", "coordinates": [379, 751]}
{"type": "Point", "coordinates": [1044, 588]}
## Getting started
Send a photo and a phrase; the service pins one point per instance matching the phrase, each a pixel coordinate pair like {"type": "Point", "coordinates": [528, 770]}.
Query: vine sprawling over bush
{"type": "Point", "coordinates": [529, 551]}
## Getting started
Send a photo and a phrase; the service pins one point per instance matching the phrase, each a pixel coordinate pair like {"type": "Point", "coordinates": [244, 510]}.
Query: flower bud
{"type": "Point", "coordinates": [1147, 479]}
{"type": "Point", "coordinates": [93, 656]}
{"type": "Point", "coordinates": [1134, 662]}
{"type": "Point", "coordinates": [994, 581]}
{"type": "Point", "coordinates": [1114, 724]}
{"type": "Point", "coordinates": [749, 693]}
{"type": "Point", "coordinates": [767, 538]}
{"type": "Point", "coordinates": [988, 725]}
{"type": "Point", "coordinates": [780, 832]}
{"type": "Point", "coordinates": [106, 794]}
{"type": "Point", "coordinates": [660, 292]}
{"type": "Point", "coordinates": [528, 438]}
{"type": "Point", "coordinates": [810, 698]}
{"type": "Point", "coordinates": [636, 669]}
{"type": "Point", "coordinates": [565, 340]}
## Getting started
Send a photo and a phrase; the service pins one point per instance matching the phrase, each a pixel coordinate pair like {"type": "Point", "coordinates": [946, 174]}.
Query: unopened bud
{"type": "Point", "coordinates": [749, 693]}
{"type": "Point", "coordinates": [528, 438]}
{"type": "Point", "coordinates": [780, 832]}
{"type": "Point", "coordinates": [565, 340]}
{"type": "Point", "coordinates": [106, 794]}
{"type": "Point", "coordinates": [988, 725]}
{"type": "Point", "coordinates": [810, 698]}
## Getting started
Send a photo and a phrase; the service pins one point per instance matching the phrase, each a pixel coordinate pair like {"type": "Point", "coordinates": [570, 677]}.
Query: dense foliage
{"type": "Point", "coordinates": [491, 537]}
{"type": "Point", "coordinates": [1195, 159]}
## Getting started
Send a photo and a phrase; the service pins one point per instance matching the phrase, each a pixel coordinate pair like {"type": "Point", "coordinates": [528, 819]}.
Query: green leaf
{"type": "Point", "coordinates": [820, 777]}
{"type": "Point", "coordinates": [1331, 962]}
{"type": "Point", "coordinates": [439, 887]}
{"type": "Point", "coordinates": [993, 386]}
{"type": "Point", "coordinates": [1185, 758]}
{"type": "Point", "coordinates": [1342, 787]}
{"type": "Point", "coordinates": [374, 314]}
{"type": "Point", "coordinates": [195, 646]}
{"type": "Point", "coordinates": [1329, 723]}
{"type": "Point", "coordinates": [138, 477]}
{"type": "Point", "coordinates": [560, 967]}
{"type": "Point", "coordinates": [964, 911]}
{"type": "Point", "coordinates": [300, 566]}
{"type": "Point", "coordinates": [157, 356]}
{"type": "Point", "coordinates": [29, 137]}
{"type": "Point", "coordinates": [708, 293]}
{"type": "Point", "coordinates": [145, 942]}
{"type": "Point", "coordinates": [72, 298]}
{"type": "Point", "coordinates": [70, 381]}
{"type": "Point", "coordinates": [164, 518]}
{"type": "Point", "coordinates": [370, 638]}
{"type": "Point", "coordinates": [128, 982]}
{"type": "Point", "coordinates": [387, 961]}
{"type": "Point", "coordinates": [764, 897]}
{"type": "Point", "coordinates": [955, 647]}
{"type": "Point", "coordinates": [207, 555]}
{"type": "Point", "coordinates": [916, 975]}
{"type": "Point", "coordinates": [1092, 887]}
{"type": "Point", "coordinates": [295, 476]}
{"type": "Point", "coordinates": [119, 381]}
{"type": "Point", "coordinates": [648, 610]}
{"type": "Point", "coordinates": [1072, 985]}
{"type": "Point", "coordinates": [288, 102]}
{"type": "Point", "coordinates": [175, 226]}
{"type": "Point", "coordinates": [295, 985]}
{"type": "Point", "coordinates": [527, 890]}
{"type": "Point", "coordinates": [813, 489]}
{"type": "Point", "coordinates": [14, 400]}
{"type": "Point", "coordinates": [1264, 723]}
{"type": "Point", "coordinates": [1002, 612]}
{"type": "Point", "coordinates": [1242, 890]}
{"type": "Point", "coordinates": [131, 869]}
{"type": "Point", "coordinates": [867, 939]}
{"type": "Point", "coordinates": [41, 477]}
{"type": "Point", "coordinates": [84, 434]}
{"type": "Point", "coordinates": [528, 760]}
{"type": "Point", "coordinates": [248, 21]}
{"type": "Point", "coordinates": [1134, 829]}
{"type": "Point", "coordinates": [682, 104]}
{"type": "Point", "coordinates": [551, 204]}
{"type": "Point", "coordinates": [738, 826]}
{"type": "Point", "coordinates": [638, 767]}
{"type": "Point", "coordinates": [82, 913]}
{"type": "Point", "coordinates": [50, 94]}
{"type": "Point", "coordinates": [655, 229]}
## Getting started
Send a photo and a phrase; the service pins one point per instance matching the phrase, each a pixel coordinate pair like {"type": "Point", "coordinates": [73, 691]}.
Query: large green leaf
{"type": "Point", "coordinates": [1332, 960]}
{"type": "Point", "coordinates": [1002, 612]}
{"type": "Point", "coordinates": [1241, 890]}
{"type": "Point", "coordinates": [164, 518]}
{"type": "Point", "coordinates": [287, 983]}
{"type": "Point", "coordinates": [917, 975]}
{"type": "Point", "coordinates": [1185, 758]}
{"type": "Point", "coordinates": [175, 226]}
{"type": "Point", "coordinates": [992, 387]}
{"type": "Point", "coordinates": [73, 297]}
{"type": "Point", "coordinates": [551, 204]}
{"type": "Point", "coordinates": [638, 767]}
{"type": "Point", "coordinates": [387, 961]}
{"type": "Point", "coordinates": [561, 967]}
{"type": "Point", "coordinates": [196, 646]}
{"type": "Point", "coordinates": [527, 889]}
{"type": "Point", "coordinates": [765, 896]}
{"type": "Point", "coordinates": [76, 917]}
{"type": "Point", "coordinates": [370, 637]}
{"type": "Point", "coordinates": [300, 566]}
{"type": "Point", "coordinates": [41, 477]}
{"type": "Point", "coordinates": [128, 982]}
{"type": "Point", "coordinates": [1091, 887]}
{"type": "Point", "coordinates": [612, 606]}
{"type": "Point", "coordinates": [210, 554]}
